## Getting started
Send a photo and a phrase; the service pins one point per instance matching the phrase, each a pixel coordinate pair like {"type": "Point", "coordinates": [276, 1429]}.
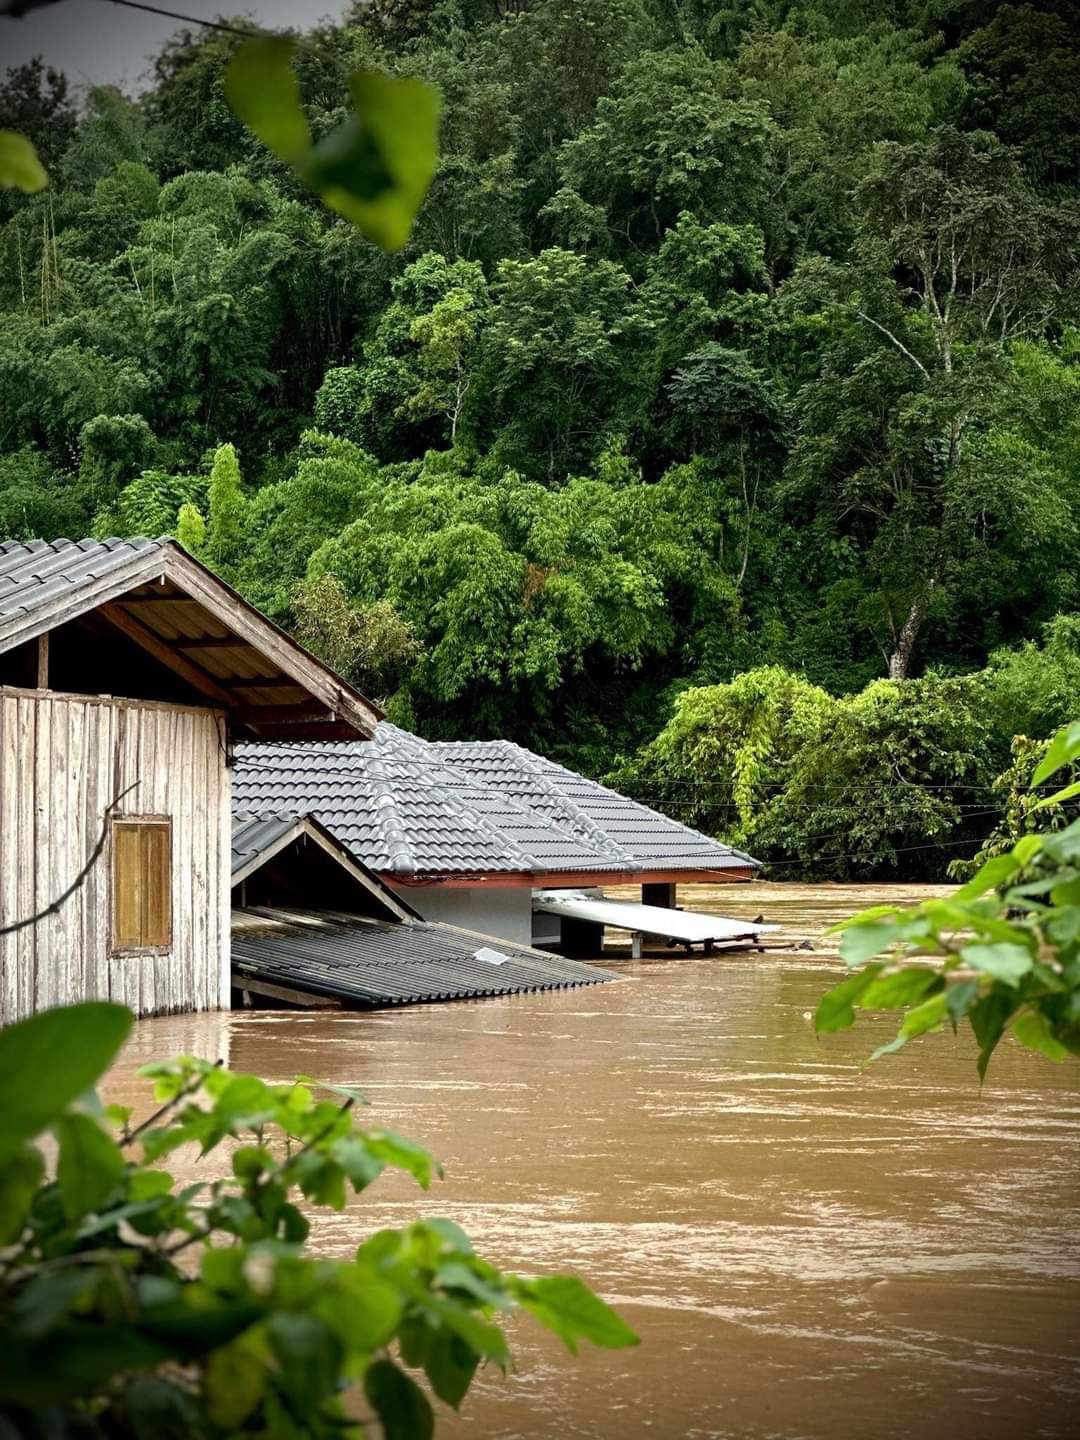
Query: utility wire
{"type": "Point", "coordinates": [221, 25]}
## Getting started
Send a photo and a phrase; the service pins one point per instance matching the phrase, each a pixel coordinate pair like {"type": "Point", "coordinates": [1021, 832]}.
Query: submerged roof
{"type": "Point", "coordinates": [414, 809]}
{"type": "Point", "coordinates": [373, 963]}
{"type": "Point", "coordinates": [186, 617]}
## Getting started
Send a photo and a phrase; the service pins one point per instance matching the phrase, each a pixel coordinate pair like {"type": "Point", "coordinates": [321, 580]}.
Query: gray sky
{"type": "Point", "coordinates": [97, 43]}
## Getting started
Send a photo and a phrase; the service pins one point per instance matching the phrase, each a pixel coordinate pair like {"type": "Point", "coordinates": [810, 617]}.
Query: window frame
{"type": "Point", "coordinates": [120, 822]}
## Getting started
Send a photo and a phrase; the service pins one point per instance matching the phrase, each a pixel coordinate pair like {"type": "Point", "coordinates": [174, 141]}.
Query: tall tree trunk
{"type": "Point", "coordinates": [900, 659]}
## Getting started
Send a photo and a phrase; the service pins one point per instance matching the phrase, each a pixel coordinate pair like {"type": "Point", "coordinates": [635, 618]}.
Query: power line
{"type": "Point", "coordinates": [221, 25]}
{"type": "Point", "coordinates": [854, 854]}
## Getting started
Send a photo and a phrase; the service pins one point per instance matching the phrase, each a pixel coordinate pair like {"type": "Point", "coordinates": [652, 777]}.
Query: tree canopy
{"type": "Point", "coordinates": [727, 339]}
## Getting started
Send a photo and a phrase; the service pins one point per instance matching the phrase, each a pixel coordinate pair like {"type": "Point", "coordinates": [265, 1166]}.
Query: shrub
{"type": "Point", "coordinates": [869, 783]}
{"type": "Point", "coordinates": [132, 1307]}
{"type": "Point", "coordinates": [1002, 953]}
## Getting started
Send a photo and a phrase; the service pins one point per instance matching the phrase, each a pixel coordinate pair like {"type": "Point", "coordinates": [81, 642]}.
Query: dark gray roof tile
{"type": "Point", "coordinates": [411, 807]}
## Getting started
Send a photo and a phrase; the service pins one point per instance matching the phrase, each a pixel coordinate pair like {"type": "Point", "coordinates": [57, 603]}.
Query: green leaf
{"type": "Point", "coordinates": [402, 1154]}
{"type": "Point", "coordinates": [1003, 960]}
{"type": "Point", "coordinates": [1033, 1031]}
{"type": "Point", "coordinates": [249, 1161]}
{"type": "Point", "coordinates": [991, 876]}
{"type": "Point", "coordinates": [90, 1166]}
{"type": "Point", "coordinates": [47, 1061]}
{"type": "Point", "coordinates": [262, 90]}
{"type": "Point", "coordinates": [960, 998]}
{"type": "Point", "coordinates": [77, 1359]}
{"type": "Point", "coordinates": [1060, 796]}
{"type": "Point", "coordinates": [927, 1016]}
{"type": "Point", "coordinates": [149, 1184]}
{"type": "Point", "coordinates": [862, 942]}
{"type": "Point", "coordinates": [1065, 746]}
{"type": "Point", "coordinates": [988, 1018]}
{"type": "Point", "coordinates": [835, 1009]}
{"type": "Point", "coordinates": [159, 1410]}
{"type": "Point", "coordinates": [449, 1364]}
{"type": "Point", "coordinates": [308, 1353]}
{"type": "Point", "coordinates": [566, 1306]}
{"type": "Point", "coordinates": [245, 1100]}
{"type": "Point", "coordinates": [1027, 847]}
{"type": "Point", "coordinates": [481, 1336]}
{"type": "Point", "coordinates": [49, 1297]}
{"type": "Point", "coordinates": [355, 1158]}
{"type": "Point", "coordinates": [924, 1017]}
{"type": "Point", "coordinates": [1064, 845]}
{"type": "Point", "coordinates": [394, 133]}
{"type": "Point", "coordinates": [361, 1307]}
{"type": "Point", "coordinates": [901, 987]}
{"type": "Point", "coordinates": [20, 168]}
{"type": "Point", "coordinates": [400, 1404]}
{"type": "Point", "coordinates": [19, 1180]}
{"type": "Point", "coordinates": [233, 1382]}
{"type": "Point", "coordinates": [458, 1275]}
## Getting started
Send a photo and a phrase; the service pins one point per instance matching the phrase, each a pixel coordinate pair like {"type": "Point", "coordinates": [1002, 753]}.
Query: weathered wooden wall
{"type": "Point", "coordinates": [62, 760]}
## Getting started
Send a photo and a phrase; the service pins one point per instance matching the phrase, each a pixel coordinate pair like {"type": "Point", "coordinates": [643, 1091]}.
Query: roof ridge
{"type": "Point", "coordinates": [581, 823]}
{"type": "Point", "coordinates": [395, 840]}
{"type": "Point", "coordinates": [419, 746]}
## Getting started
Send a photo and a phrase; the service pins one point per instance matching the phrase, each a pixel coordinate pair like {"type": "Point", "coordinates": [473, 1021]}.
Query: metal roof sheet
{"type": "Point", "coordinates": [168, 603]}
{"type": "Point", "coordinates": [411, 807]}
{"type": "Point", "coordinates": [372, 964]}
{"type": "Point", "coordinates": [254, 836]}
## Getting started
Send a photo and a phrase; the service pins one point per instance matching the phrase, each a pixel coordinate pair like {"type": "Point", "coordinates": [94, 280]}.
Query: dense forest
{"type": "Point", "coordinates": [717, 429]}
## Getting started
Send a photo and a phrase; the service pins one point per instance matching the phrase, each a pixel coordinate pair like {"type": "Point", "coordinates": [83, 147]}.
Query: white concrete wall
{"type": "Point", "coordinates": [505, 914]}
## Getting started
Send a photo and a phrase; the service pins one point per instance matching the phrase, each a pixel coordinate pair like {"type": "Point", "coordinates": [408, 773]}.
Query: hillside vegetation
{"type": "Point", "coordinates": [718, 427]}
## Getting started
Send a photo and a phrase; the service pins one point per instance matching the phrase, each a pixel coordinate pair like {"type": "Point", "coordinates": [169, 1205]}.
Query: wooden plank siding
{"type": "Point", "coordinates": [63, 759]}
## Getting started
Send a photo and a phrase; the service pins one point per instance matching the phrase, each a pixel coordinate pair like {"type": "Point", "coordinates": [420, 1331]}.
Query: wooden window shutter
{"type": "Point", "coordinates": [142, 884]}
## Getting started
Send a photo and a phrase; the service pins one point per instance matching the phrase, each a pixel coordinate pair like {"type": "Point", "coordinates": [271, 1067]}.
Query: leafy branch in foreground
{"type": "Point", "coordinates": [374, 168]}
{"type": "Point", "coordinates": [1002, 953]}
{"type": "Point", "coordinates": [130, 1306]}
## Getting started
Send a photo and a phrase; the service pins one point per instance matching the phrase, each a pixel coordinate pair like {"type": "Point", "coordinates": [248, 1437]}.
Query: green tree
{"type": "Point", "coordinates": [959, 262]}
{"type": "Point", "coordinates": [227, 509]}
{"type": "Point", "coordinates": [551, 358]}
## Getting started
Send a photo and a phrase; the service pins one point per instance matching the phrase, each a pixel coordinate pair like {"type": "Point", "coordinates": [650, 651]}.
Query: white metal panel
{"type": "Point", "coordinates": [647, 919]}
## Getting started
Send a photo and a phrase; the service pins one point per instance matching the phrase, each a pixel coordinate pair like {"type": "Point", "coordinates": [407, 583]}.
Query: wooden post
{"type": "Point", "coordinates": [43, 661]}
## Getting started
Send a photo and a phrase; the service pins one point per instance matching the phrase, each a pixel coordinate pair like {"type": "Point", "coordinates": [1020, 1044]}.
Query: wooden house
{"type": "Point", "coordinates": [127, 671]}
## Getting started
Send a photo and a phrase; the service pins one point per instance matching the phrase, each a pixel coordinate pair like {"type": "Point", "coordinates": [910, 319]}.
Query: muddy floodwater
{"type": "Point", "coordinates": [808, 1247]}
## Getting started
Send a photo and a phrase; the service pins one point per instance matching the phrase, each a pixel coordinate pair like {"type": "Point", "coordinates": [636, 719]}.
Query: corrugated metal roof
{"type": "Point", "coordinates": [169, 604]}
{"type": "Point", "coordinates": [409, 807]}
{"type": "Point", "coordinates": [373, 964]}
{"type": "Point", "coordinates": [254, 836]}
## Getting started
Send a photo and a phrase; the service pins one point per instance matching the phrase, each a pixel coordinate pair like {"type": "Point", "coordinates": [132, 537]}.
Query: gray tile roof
{"type": "Point", "coordinates": [375, 964]}
{"type": "Point", "coordinates": [649, 838]}
{"type": "Point", "coordinates": [410, 807]}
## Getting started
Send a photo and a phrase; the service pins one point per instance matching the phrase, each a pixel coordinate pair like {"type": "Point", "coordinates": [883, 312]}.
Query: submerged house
{"type": "Point", "coordinates": [127, 673]}
{"type": "Point", "coordinates": [485, 834]}
{"type": "Point", "coordinates": [312, 926]}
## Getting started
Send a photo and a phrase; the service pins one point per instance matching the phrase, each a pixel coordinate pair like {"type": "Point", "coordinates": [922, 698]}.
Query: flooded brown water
{"type": "Point", "coordinates": [808, 1247]}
